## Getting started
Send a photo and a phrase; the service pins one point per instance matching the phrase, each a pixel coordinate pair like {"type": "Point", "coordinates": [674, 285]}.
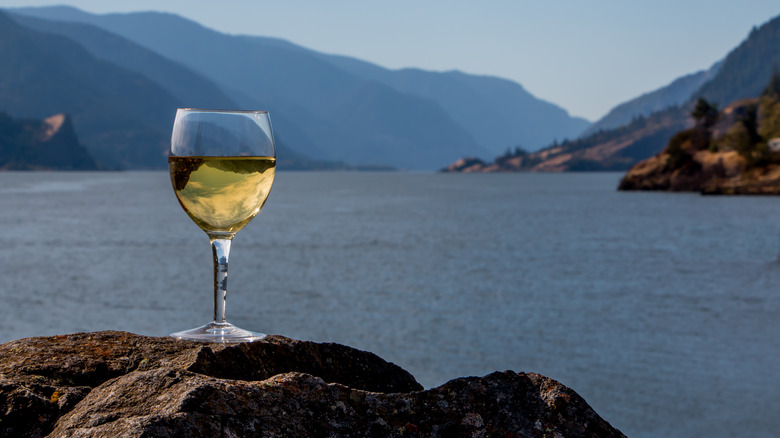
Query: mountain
{"type": "Point", "coordinates": [122, 117]}
{"type": "Point", "coordinates": [348, 109]}
{"type": "Point", "coordinates": [743, 74]}
{"type": "Point", "coordinates": [343, 117]}
{"type": "Point", "coordinates": [498, 112]}
{"type": "Point", "coordinates": [609, 150]}
{"type": "Point", "coordinates": [125, 143]}
{"type": "Point", "coordinates": [49, 144]}
{"type": "Point", "coordinates": [190, 88]}
{"type": "Point", "coordinates": [747, 68]}
{"type": "Point", "coordinates": [734, 151]}
{"type": "Point", "coordinates": [678, 92]}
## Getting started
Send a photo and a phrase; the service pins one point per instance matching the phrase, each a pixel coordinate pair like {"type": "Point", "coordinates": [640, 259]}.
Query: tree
{"type": "Point", "coordinates": [773, 88]}
{"type": "Point", "coordinates": [677, 155]}
{"type": "Point", "coordinates": [520, 151]}
{"type": "Point", "coordinates": [705, 113]}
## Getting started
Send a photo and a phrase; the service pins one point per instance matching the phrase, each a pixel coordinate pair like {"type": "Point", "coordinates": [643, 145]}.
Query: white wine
{"type": "Point", "coordinates": [222, 194]}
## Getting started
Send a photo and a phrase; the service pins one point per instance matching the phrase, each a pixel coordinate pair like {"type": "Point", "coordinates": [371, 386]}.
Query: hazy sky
{"type": "Point", "coordinates": [586, 56]}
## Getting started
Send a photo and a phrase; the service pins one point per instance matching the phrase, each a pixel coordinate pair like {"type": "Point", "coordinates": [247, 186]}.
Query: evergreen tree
{"type": "Point", "coordinates": [519, 151]}
{"type": "Point", "coordinates": [773, 88]}
{"type": "Point", "coordinates": [705, 113]}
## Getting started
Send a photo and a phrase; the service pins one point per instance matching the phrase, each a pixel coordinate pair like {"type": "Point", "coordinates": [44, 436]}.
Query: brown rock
{"type": "Point", "coordinates": [49, 144]}
{"type": "Point", "coordinates": [708, 173]}
{"type": "Point", "coordinates": [729, 156]}
{"type": "Point", "coordinates": [468, 164]}
{"type": "Point", "coordinates": [120, 384]}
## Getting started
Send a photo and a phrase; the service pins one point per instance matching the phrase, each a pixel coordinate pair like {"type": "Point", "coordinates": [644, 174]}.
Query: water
{"type": "Point", "coordinates": [660, 309]}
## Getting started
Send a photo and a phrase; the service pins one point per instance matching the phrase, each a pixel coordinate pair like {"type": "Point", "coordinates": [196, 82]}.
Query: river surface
{"type": "Point", "coordinates": [662, 310]}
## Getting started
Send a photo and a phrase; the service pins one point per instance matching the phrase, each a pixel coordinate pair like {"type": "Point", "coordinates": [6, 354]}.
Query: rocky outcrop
{"type": "Point", "coordinates": [466, 165]}
{"type": "Point", "coordinates": [120, 384]}
{"type": "Point", "coordinates": [708, 173]}
{"type": "Point", "coordinates": [733, 151]}
{"type": "Point", "coordinates": [48, 144]}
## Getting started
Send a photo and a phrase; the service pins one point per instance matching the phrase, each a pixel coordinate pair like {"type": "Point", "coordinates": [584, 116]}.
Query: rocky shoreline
{"type": "Point", "coordinates": [735, 151]}
{"type": "Point", "coordinates": [120, 384]}
{"type": "Point", "coordinates": [709, 174]}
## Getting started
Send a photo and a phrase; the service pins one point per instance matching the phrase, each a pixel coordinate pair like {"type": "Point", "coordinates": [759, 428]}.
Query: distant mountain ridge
{"type": "Point", "coordinates": [334, 120]}
{"type": "Point", "coordinates": [340, 112]}
{"type": "Point", "coordinates": [189, 87]}
{"type": "Point", "coordinates": [495, 110]}
{"type": "Point", "coordinates": [605, 150]}
{"type": "Point", "coordinates": [741, 75]}
{"type": "Point", "coordinates": [747, 68]}
{"type": "Point", "coordinates": [119, 115]}
{"type": "Point", "coordinates": [678, 92]}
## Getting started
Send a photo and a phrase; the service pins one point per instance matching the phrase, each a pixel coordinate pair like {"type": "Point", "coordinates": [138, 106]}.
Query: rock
{"type": "Point", "coordinates": [49, 144]}
{"type": "Point", "coordinates": [707, 173]}
{"type": "Point", "coordinates": [120, 384]}
{"type": "Point", "coordinates": [469, 164]}
{"type": "Point", "coordinates": [733, 153]}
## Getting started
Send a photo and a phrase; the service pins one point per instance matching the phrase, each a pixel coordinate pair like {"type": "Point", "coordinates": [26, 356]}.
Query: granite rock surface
{"type": "Point", "coordinates": [120, 384]}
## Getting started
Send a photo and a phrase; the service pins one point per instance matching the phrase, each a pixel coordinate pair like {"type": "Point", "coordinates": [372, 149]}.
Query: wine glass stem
{"type": "Point", "coordinates": [220, 248]}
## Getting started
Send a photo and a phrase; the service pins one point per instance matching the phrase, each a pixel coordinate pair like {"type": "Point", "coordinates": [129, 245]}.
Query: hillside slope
{"type": "Point", "coordinates": [190, 89]}
{"type": "Point", "coordinates": [49, 144]}
{"type": "Point", "coordinates": [733, 151]}
{"type": "Point", "coordinates": [677, 93]}
{"type": "Point", "coordinates": [498, 112]}
{"type": "Point", "coordinates": [122, 117]}
{"type": "Point", "coordinates": [746, 69]}
{"type": "Point", "coordinates": [344, 117]}
{"type": "Point", "coordinates": [742, 74]}
{"type": "Point", "coordinates": [615, 149]}
{"type": "Point", "coordinates": [470, 115]}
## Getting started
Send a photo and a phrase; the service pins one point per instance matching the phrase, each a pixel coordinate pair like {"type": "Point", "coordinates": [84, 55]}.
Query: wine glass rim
{"type": "Point", "coordinates": [217, 110]}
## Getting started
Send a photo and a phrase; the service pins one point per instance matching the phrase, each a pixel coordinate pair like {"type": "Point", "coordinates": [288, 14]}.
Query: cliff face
{"type": "Point", "coordinates": [120, 384]}
{"type": "Point", "coordinates": [49, 144]}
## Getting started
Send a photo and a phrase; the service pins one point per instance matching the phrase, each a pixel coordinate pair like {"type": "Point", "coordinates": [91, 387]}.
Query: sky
{"type": "Point", "coordinates": [586, 56]}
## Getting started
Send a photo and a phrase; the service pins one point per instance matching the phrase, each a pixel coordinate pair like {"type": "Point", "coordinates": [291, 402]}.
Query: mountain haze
{"type": "Point", "coordinates": [747, 69]}
{"type": "Point", "coordinates": [678, 92]}
{"type": "Point", "coordinates": [743, 74]}
{"type": "Point", "coordinates": [188, 89]}
{"type": "Point", "coordinates": [120, 116]}
{"type": "Point", "coordinates": [498, 112]}
{"type": "Point", "coordinates": [313, 92]}
{"type": "Point", "coordinates": [605, 150]}
{"type": "Point", "coordinates": [49, 144]}
{"type": "Point", "coordinates": [322, 95]}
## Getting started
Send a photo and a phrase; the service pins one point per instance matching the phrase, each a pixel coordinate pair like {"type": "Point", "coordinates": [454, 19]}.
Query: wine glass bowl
{"type": "Point", "coordinates": [222, 165]}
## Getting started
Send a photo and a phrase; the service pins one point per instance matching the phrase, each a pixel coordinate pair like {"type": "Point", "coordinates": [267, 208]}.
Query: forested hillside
{"type": "Point", "coordinates": [743, 74]}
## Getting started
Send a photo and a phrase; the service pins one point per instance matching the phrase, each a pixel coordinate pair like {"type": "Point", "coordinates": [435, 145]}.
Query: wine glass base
{"type": "Point", "coordinates": [222, 332]}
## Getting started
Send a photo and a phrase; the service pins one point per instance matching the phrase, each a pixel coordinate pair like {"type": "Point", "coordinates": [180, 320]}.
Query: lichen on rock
{"type": "Point", "coordinates": [120, 384]}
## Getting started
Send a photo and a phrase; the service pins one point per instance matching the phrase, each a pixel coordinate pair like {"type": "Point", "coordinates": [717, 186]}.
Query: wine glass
{"type": "Point", "coordinates": [222, 165]}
